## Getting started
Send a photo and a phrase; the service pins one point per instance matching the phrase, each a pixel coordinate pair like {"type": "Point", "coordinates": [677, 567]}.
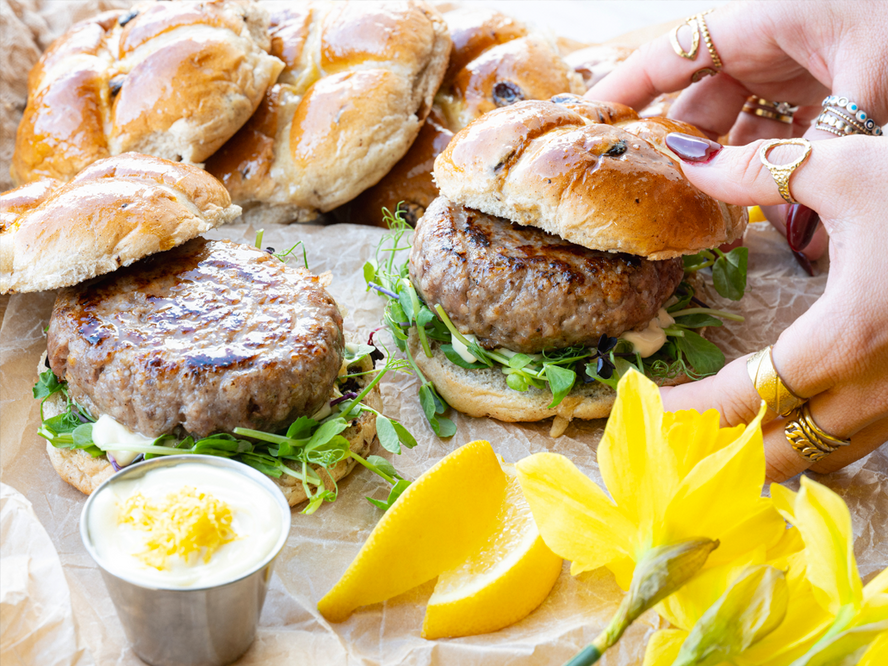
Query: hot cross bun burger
{"type": "Point", "coordinates": [558, 241]}
{"type": "Point", "coordinates": [161, 341]}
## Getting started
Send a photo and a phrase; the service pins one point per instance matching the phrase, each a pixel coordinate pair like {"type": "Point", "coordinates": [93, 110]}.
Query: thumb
{"type": "Point", "coordinates": [737, 175]}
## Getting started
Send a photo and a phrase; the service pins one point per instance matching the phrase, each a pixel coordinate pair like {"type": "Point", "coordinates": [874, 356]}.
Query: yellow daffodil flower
{"type": "Point", "coordinates": [672, 479]}
{"type": "Point", "coordinates": [829, 619]}
{"type": "Point", "coordinates": [859, 614]}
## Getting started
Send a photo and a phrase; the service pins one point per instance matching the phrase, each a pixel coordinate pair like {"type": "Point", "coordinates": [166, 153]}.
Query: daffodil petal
{"type": "Point", "coordinates": [790, 543]}
{"type": "Point", "coordinates": [758, 524]}
{"type": "Point", "coordinates": [784, 501]}
{"type": "Point", "coordinates": [636, 465]}
{"type": "Point", "coordinates": [663, 647]}
{"type": "Point", "coordinates": [737, 471]}
{"type": "Point", "coordinates": [845, 648]}
{"type": "Point", "coordinates": [575, 518]}
{"type": "Point", "coordinates": [693, 436]}
{"type": "Point", "coordinates": [877, 654]}
{"type": "Point", "coordinates": [875, 600]}
{"type": "Point", "coordinates": [825, 523]}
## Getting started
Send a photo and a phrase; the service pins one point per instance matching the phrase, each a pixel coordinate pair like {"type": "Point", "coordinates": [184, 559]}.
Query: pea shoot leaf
{"type": "Point", "coordinates": [561, 381]}
{"type": "Point", "coordinates": [704, 356]}
{"type": "Point", "coordinates": [729, 273]}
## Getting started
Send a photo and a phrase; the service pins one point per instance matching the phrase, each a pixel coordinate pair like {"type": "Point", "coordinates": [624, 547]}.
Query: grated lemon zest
{"type": "Point", "coordinates": [185, 523]}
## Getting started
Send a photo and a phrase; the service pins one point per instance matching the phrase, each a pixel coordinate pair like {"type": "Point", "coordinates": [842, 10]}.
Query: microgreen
{"type": "Point", "coordinates": [306, 450]}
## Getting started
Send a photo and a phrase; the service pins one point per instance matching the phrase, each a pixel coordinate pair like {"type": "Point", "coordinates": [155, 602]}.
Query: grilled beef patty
{"type": "Point", "coordinates": [526, 290]}
{"type": "Point", "coordinates": [208, 336]}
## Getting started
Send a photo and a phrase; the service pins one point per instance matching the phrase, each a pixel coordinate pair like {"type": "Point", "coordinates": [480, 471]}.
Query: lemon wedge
{"type": "Point", "coordinates": [499, 584]}
{"type": "Point", "coordinates": [436, 524]}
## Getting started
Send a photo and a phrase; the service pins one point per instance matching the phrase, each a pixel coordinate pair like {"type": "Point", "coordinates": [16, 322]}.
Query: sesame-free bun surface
{"type": "Point", "coordinates": [172, 79]}
{"type": "Point", "coordinates": [593, 173]}
{"type": "Point", "coordinates": [358, 83]}
{"type": "Point", "coordinates": [116, 211]}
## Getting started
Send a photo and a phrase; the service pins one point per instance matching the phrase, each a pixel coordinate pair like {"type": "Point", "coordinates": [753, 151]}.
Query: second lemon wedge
{"type": "Point", "coordinates": [499, 584]}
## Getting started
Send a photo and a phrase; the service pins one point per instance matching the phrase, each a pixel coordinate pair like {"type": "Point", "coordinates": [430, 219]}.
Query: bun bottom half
{"type": "Point", "coordinates": [485, 393]}
{"type": "Point", "coordinates": [86, 473]}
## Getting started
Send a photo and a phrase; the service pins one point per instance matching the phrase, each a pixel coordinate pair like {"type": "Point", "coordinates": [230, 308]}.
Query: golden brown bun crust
{"type": "Point", "coordinates": [560, 166]}
{"type": "Point", "coordinates": [358, 84]}
{"type": "Point", "coordinates": [86, 473]}
{"type": "Point", "coordinates": [485, 393]}
{"type": "Point", "coordinates": [494, 61]}
{"type": "Point", "coordinates": [111, 214]}
{"type": "Point", "coordinates": [136, 81]}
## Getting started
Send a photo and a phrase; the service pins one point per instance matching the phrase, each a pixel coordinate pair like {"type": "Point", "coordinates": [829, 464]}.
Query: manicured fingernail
{"type": "Point", "coordinates": [694, 149]}
{"type": "Point", "coordinates": [801, 223]}
{"type": "Point", "coordinates": [804, 262]}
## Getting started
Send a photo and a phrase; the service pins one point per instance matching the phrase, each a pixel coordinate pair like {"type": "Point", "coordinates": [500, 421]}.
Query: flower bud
{"type": "Point", "coordinates": [748, 611]}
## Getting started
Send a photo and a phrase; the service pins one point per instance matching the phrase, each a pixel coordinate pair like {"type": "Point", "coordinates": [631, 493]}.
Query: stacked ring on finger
{"type": "Point", "coordinates": [842, 117]}
{"type": "Point", "coordinates": [771, 388]}
{"type": "Point", "coordinates": [763, 108]}
{"type": "Point", "coordinates": [697, 23]}
{"type": "Point", "coordinates": [808, 439]}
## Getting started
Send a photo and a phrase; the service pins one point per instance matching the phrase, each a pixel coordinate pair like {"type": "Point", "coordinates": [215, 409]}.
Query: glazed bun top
{"type": "Point", "coordinates": [171, 79]}
{"type": "Point", "coordinates": [118, 210]}
{"type": "Point", "coordinates": [591, 172]}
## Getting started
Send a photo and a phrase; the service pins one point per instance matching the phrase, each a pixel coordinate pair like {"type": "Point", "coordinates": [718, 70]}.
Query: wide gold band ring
{"type": "Point", "coordinates": [808, 439]}
{"type": "Point", "coordinates": [768, 384]}
{"type": "Point", "coordinates": [781, 173]}
{"type": "Point", "coordinates": [697, 23]}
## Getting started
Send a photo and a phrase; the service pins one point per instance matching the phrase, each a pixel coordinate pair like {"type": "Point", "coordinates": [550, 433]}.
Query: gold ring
{"type": "Point", "coordinates": [698, 24]}
{"type": "Point", "coordinates": [781, 173]}
{"type": "Point", "coordinates": [808, 439]}
{"type": "Point", "coordinates": [768, 384]}
{"type": "Point", "coordinates": [763, 108]}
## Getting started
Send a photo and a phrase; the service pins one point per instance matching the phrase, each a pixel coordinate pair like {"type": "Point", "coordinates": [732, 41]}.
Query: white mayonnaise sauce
{"type": "Point", "coordinates": [649, 341]}
{"type": "Point", "coordinates": [106, 432]}
{"type": "Point", "coordinates": [257, 522]}
{"type": "Point", "coordinates": [462, 350]}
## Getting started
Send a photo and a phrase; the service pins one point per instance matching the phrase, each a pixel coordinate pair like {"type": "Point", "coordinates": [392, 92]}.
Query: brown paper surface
{"type": "Point", "coordinates": [321, 546]}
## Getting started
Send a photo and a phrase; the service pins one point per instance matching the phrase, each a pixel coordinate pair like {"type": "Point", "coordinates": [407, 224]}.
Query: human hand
{"type": "Point", "coordinates": [787, 51]}
{"type": "Point", "coordinates": [836, 354]}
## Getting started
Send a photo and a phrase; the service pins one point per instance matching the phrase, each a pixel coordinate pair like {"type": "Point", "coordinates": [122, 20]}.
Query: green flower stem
{"type": "Point", "coordinates": [709, 311]}
{"type": "Point", "coordinates": [588, 655]}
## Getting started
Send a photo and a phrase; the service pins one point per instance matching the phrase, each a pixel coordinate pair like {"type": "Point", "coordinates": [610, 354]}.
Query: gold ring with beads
{"type": "Point", "coordinates": [808, 439]}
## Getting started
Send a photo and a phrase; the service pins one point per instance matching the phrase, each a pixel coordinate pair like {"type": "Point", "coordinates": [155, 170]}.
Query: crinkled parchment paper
{"type": "Point", "coordinates": [321, 546]}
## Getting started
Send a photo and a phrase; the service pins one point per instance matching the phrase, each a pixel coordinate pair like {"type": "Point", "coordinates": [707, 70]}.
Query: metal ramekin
{"type": "Point", "coordinates": [210, 626]}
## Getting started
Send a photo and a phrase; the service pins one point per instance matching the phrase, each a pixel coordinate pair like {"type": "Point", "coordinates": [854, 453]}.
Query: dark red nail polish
{"type": "Point", "coordinates": [801, 223]}
{"type": "Point", "coordinates": [804, 262]}
{"type": "Point", "coordinates": [694, 149]}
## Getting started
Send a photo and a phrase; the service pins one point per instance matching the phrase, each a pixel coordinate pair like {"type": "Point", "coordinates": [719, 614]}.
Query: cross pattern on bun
{"type": "Point", "coordinates": [120, 209]}
{"type": "Point", "coordinates": [171, 79]}
{"type": "Point", "coordinates": [496, 61]}
{"type": "Point", "coordinates": [593, 173]}
{"type": "Point", "coordinates": [357, 86]}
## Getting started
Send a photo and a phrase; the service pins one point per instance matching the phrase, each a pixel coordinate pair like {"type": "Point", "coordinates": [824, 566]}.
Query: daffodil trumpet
{"type": "Point", "coordinates": [662, 571]}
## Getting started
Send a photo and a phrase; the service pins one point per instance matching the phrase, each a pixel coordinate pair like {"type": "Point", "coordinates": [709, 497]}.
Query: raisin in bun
{"type": "Point", "coordinates": [114, 212]}
{"type": "Point", "coordinates": [592, 173]}
{"type": "Point", "coordinates": [495, 62]}
{"type": "Point", "coordinates": [357, 86]}
{"type": "Point", "coordinates": [138, 81]}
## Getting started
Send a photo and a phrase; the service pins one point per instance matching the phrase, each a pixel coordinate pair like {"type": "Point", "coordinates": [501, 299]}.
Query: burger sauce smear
{"type": "Point", "coordinates": [186, 526]}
